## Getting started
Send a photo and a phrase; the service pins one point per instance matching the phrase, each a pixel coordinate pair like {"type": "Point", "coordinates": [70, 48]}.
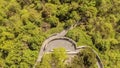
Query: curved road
{"type": "Point", "coordinates": [58, 40]}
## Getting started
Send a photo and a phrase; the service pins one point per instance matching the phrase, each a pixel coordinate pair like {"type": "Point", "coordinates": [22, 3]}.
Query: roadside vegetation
{"type": "Point", "coordinates": [25, 24]}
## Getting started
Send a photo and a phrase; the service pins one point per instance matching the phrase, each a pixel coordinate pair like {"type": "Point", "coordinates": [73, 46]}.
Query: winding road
{"type": "Point", "coordinates": [59, 40]}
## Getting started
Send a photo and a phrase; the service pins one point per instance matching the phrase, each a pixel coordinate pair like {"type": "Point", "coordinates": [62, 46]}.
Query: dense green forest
{"type": "Point", "coordinates": [25, 24]}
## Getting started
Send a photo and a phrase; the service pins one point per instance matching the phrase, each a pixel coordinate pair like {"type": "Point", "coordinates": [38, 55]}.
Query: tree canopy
{"type": "Point", "coordinates": [25, 24]}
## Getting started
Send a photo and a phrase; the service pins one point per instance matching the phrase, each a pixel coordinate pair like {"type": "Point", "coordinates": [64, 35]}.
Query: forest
{"type": "Point", "coordinates": [25, 24]}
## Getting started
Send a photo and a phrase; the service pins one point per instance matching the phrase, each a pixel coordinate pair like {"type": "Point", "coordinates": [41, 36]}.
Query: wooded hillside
{"type": "Point", "coordinates": [25, 24]}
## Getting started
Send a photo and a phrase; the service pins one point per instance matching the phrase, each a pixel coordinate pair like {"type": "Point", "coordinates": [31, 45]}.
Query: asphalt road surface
{"type": "Point", "coordinates": [57, 41]}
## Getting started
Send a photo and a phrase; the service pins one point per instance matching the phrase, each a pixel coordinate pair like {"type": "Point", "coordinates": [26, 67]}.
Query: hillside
{"type": "Point", "coordinates": [25, 24]}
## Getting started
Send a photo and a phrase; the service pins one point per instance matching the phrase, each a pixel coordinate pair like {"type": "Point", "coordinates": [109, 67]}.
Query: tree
{"type": "Point", "coordinates": [84, 59]}
{"type": "Point", "coordinates": [79, 36]}
{"type": "Point", "coordinates": [55, 59]}
{"type": "Point", "coordinates": [58, 58]}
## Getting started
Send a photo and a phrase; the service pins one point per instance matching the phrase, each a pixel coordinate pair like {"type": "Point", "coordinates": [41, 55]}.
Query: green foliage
{"type": "Point", "coordinates": [80, 37]}
{"type": "Point", "coordinates": [69, 23]}
{"type": "Point", "coordinates": [45, 62]}
{"type": "Point", "coordinates": [84, 59]}
{"type": "Point", "coordinates": [59, 56]}
{"type": "Point", "coordinates": [55, 59]}
{"type": "Point", "coordinates": [63, 9]}
{"type": "Point", "coordinates": [51, 8]}
{"type": "Point", "coordinates": [22, 31]}
{"type": "Point", "coordinates": [53, 21]}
